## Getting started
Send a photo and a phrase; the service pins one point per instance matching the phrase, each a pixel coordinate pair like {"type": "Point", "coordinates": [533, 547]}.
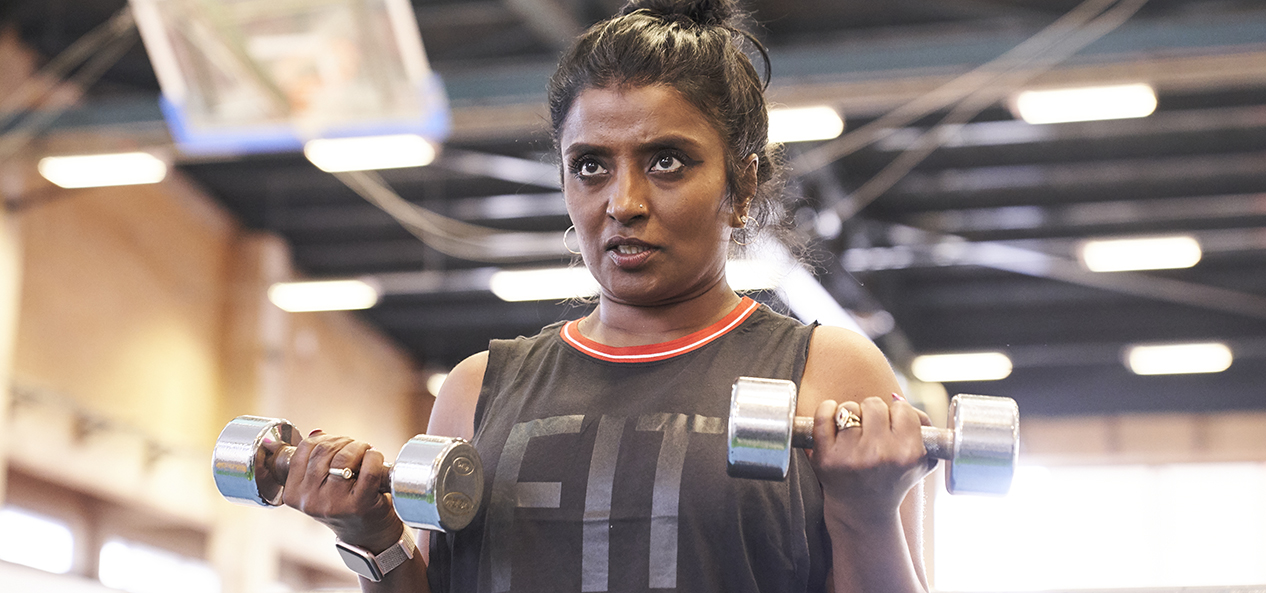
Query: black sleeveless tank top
{"type": "Point", "coordinates": [605, 469]}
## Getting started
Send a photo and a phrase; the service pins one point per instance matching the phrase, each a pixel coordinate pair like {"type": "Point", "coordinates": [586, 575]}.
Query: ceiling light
{"type": "Point", "coordinates": [804, 124]}
{"type": "Point", "coordinates": [324, 295]}
{"type": "Point", "coordinates": [1084, 104]}
{"type": "Point", "coordinates": [334, 155]}
{"type": "Point", "coordinates": [1153, 253]}
{"type": "Point", "coordinates": [966, 366]}
{"type": "Point", "coordinates": [1177, 359]}
{"type": "Point", "coordinates": [102, 170]}
{"type": "Point", "coordinates": [543, 285]}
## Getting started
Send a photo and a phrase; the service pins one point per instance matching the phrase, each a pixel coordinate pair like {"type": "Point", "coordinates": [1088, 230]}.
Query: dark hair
{"type": "Point", "coordinates": [696, 47]}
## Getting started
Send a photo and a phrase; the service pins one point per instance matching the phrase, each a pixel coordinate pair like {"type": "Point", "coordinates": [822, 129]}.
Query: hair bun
{"type": "Point", "coordinates": [704, 12]}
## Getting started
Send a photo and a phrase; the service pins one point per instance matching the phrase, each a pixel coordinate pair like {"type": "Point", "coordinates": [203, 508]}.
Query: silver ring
{"type": "Point", "coordinates": [845, 419]}
{"type": "Point", "coordinates": [342, 472]}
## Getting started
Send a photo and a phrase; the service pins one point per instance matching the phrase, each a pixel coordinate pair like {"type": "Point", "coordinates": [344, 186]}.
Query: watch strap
{"type": "Point", "coordinates": [396, 555]}
{"type": "Point", "coordinates": [375, 566]}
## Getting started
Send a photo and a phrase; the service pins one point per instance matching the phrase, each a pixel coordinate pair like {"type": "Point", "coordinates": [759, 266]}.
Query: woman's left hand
{"type": "Point", "coordinates": [867, 470]}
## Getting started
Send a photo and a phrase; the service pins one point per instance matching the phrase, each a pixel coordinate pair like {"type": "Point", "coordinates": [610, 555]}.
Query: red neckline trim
{"type": "Point", "coordinates": [664, 350]}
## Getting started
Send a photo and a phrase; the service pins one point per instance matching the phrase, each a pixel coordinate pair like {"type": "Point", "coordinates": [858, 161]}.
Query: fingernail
{"type": "Point", "coordinates": [897, 397]}
{"type": "Point", "coordinates": [313, 433]}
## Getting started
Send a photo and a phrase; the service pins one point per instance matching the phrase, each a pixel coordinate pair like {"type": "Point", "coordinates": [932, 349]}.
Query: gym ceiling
{"type": "Point", "coordinates": [967, 247]}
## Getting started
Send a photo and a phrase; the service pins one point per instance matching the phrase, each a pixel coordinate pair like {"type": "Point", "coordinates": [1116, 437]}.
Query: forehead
{"type": "Point", "coordinates": [637, 114]}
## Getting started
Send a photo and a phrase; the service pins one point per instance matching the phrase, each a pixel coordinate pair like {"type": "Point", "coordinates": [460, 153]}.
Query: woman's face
{"type": "Point", "coordinates": [645, 184]}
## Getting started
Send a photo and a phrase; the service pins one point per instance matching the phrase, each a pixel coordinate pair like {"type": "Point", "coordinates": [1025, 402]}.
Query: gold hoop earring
{"type": "Point", "coordinates": [747, 239]}
{"type": "Point", "coordinates": [565, 245]}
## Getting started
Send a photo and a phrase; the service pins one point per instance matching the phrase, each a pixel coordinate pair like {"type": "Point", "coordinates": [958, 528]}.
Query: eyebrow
{"type": "Point", "coordinates": [658, 143]}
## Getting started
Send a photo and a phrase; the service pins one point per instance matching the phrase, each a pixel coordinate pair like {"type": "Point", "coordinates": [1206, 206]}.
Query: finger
{"type": "Point", "coordinates": [372, 475]}
{"type": "Point", "coordinates": [348, 457]}
{"type": "Point", "coordinates": [875, 417]}
{"type": "Point", "coordinates": [299, 463]}
{"type": "Point", "coordinates": [321, 459]}
{"type": "Point", "coordinates": [824, 423]}
{"type": "Point", "coordinates": [906, 421]}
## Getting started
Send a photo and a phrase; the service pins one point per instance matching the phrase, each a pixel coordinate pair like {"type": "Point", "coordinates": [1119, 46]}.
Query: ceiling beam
{"type": "Point", "coordinates": [1229, 210]}
{"type": "Point", "coordinates": [948, 250]}
{"type": "Point", "coordinates": [1089, 180]}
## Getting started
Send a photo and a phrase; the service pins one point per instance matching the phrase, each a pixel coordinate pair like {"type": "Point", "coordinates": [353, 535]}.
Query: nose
{"type": "Point", "coordinates": [628, 198]}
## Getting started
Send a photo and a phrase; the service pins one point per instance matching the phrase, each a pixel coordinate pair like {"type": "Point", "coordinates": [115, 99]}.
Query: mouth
{"type": "Point", "coordinates": [629, 253]}
{"type": "Point", "coordinates": [630, 249]}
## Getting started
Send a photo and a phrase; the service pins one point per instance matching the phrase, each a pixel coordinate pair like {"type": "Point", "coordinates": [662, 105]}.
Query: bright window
{"type": "Point", "coordinates": [36, 541]}
{"type": "Point", "coordinates": [1176, 525]}
{"type": "Point", "coordinates": [138, 568]}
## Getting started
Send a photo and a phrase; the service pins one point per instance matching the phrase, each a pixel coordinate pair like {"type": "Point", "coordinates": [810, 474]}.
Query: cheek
{"type": "Point", "coordinates": [580, 206]}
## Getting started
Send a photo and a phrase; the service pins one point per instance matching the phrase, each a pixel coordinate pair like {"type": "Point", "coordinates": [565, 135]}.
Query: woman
{"type": "Point", "coordinates": [603, 438]}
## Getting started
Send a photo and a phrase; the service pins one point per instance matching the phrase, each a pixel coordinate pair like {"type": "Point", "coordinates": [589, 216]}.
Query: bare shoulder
{"type": "Point", "coordinates": [454, 412]}
{"type": "Point", "coordinates": [843, 365]}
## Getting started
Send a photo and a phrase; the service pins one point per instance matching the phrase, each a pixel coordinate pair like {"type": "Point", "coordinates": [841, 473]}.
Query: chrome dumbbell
{"type": "Point", "coordinates": [435, 483]}
{"type": "Point", "coordinates": [981, 445]}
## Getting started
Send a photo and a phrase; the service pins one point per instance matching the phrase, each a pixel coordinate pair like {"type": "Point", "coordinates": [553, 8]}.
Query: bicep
{"type": "Point", "coordinates": [454, 412]}
{"type": "Point", "coordinates": [843, 365]}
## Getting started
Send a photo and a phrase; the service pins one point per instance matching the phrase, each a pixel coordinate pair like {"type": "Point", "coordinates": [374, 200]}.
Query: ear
{"type": "Point", "coordinates": [747, 183]}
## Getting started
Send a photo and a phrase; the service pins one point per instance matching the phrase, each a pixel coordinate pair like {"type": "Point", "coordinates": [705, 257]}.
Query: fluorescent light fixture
{"type": "Point", "coordinates": [102, 170]}
{"type": "Point", "coordinates": [35, 541]}
{"type": "Point", "coordinates": [804, 124]}
{"type": "Point", "coordinates": [323, 295]}
{"type": "Point", "coordinates": [965, 366]}
{"type": "Point", "coordinates": [1152, 253]}
{"type": "Point", "coordinates": [138, 568]}
{"type": "Point", "coordinates": [1178, 359]}
{"type": "Point", "coordinates": [1084, 104]}
{"type": "Point", "coordinates": [543, 284]}
{"type": "Point", "coordinates": [334, 155]}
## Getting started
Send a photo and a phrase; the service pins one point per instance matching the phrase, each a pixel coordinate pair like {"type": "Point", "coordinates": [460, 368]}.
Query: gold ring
{"type": "Point", "coordinates": [845, 419]}
{"type": "Point", "coordinates": [342, 472]}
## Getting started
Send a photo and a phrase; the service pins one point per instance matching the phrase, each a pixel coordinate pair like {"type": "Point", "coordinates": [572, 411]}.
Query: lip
{"type": "Point", "coordinates": [628, 261]}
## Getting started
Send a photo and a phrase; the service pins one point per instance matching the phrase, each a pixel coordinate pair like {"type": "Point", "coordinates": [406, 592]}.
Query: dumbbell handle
{"type": "Point", "coordinates": [938, 441]}
{"type": "Point", "coordinates": [280, 466]}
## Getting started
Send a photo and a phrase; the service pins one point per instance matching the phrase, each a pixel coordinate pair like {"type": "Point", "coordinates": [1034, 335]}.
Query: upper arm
{"type": "Point", "coordinates": [843, 365]}
{"type": "Point", "coordinates": [454, 412]}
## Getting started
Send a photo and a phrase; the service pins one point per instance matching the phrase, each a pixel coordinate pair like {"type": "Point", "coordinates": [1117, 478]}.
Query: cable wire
{"type": "Point", "coordinates": [976, 102]}
{"type": "Point", "coordinates": [953, 91]}
{"type": "Point", "coordinates": [450, 236]}
{"type": "Point", "coordinates": [103, 58]}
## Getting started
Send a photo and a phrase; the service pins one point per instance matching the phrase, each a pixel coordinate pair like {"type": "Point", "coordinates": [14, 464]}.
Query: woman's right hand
{"type": "Point", "coordinates": [354, 509]}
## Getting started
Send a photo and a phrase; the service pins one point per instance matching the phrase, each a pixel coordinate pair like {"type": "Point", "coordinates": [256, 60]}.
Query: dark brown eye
{"type": "Point", "coordinates": [667, 164]}
{"type": "Point", "coordinates": [588, 168]}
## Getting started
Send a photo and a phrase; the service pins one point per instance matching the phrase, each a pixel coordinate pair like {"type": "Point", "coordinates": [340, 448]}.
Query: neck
{"type": "Point", "coordinates": [622, 324]}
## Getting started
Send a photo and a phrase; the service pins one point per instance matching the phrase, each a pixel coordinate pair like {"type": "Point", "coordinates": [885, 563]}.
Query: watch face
{"type": "Point", "coordinates": [360, 561]}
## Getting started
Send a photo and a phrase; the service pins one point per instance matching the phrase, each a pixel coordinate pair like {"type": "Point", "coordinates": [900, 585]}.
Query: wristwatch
{"type": "Point", "coordinates": [371, 566]}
